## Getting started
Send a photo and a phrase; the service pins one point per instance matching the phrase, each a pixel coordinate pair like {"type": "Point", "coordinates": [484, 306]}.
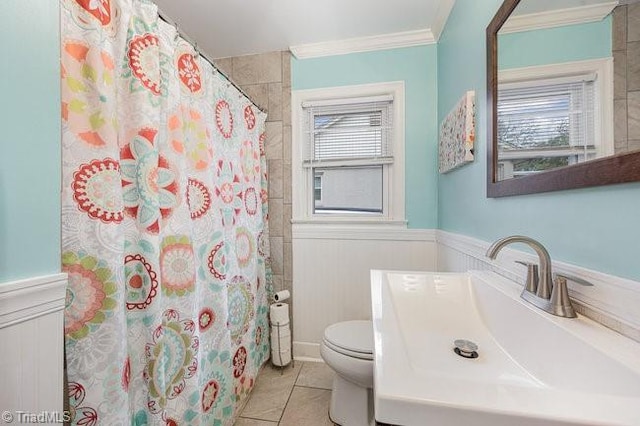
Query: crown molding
{"type": "Point", "coordinates": [558, 18]}
{"type": "Point", "coordinates": [363, 44]}
{"type": "Point", "coordinates": [442, 15]}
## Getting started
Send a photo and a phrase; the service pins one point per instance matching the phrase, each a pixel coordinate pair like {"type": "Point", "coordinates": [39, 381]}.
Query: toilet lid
{"type": "Point", "coordinates": [353, 336]}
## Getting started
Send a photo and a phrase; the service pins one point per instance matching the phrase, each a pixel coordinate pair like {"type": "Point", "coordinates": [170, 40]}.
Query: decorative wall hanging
{"type": "Point", "coordinates": [457, 134]}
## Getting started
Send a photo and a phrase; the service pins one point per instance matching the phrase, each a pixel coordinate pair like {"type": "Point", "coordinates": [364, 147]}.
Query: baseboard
{"type": "Point", "coordinates": [305, 351]}
{"type": "Point", "coordinates": [30, 298]}
{"type": "Point", "coordinates": [612, 301]}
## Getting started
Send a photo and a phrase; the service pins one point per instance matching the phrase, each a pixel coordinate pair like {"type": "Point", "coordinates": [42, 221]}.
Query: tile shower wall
{"type": "Point", "coordinates": [266, 78]}
{"type": "Point", "coordinates": [626, 57]}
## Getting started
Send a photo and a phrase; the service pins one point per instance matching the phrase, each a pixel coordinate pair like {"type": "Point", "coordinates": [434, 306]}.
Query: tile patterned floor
{"type": "Point", "coordinates": [297, 397]}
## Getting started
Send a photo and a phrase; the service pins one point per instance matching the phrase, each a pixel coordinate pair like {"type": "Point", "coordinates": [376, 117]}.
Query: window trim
{"type": "Point", "coordinates": [602, 68]}
{"type": "Point", "coordinates": [393, 181]}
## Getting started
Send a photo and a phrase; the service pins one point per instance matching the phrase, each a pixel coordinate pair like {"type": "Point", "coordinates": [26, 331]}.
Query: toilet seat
{"type": "Point", "coordinates": [347, 348]}
{"type": "Point", "coordinates": [351, 338]}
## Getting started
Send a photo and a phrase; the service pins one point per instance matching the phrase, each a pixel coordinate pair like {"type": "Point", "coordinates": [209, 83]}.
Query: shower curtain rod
{"type": "Point", "coordinates": [173, 23]}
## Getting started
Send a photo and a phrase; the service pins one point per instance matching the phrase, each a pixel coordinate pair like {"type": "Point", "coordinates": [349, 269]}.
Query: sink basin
{"type": "Point", "coordinates": [532, 369]}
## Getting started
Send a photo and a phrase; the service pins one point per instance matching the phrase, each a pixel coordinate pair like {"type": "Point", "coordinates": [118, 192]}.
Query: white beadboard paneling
{"type": "Point", "coordinates": [331, 265]}
{"type": "Point", "coordinates": [31, 352]}
{"type": "Point", "coordinates": [304, 351]}
{"type": "Point", "coordinates": [331, 276]}
{"type": "Point", "coordinates": [612, 301]}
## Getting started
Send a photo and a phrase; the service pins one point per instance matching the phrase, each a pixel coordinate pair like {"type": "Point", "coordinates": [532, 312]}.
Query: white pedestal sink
{"type": "Point", "coordinates": [532, 369]}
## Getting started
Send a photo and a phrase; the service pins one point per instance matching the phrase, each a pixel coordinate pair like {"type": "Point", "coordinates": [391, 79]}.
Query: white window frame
{"type": "Point", "coordinates": [393, 203]}
{"type": "Point", "coordinates": [603, 90]}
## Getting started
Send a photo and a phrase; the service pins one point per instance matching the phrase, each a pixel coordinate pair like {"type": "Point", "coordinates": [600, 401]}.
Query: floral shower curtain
{"type": "Point", "coordinates": [165, 235]}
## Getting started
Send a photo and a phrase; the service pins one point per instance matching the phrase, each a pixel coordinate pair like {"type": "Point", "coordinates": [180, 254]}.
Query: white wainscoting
{"type": "Point", "coordinates": [612, 301]}
{"type": "Point", "coordinates": [31, 344]}
{"type": "Point", "coordinates": [331, 267]}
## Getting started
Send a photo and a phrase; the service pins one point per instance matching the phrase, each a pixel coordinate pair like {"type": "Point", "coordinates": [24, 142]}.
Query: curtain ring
{"type": "Point", "coordinates": [195, 47]}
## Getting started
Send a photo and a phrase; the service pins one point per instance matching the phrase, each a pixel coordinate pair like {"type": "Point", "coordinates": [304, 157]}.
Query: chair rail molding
{"type": "Point", "coordinates": [26, 299]}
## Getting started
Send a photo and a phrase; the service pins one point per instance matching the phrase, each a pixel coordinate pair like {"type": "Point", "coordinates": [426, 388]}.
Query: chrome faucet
{"type": "Point", "coordinates": [540, 290]}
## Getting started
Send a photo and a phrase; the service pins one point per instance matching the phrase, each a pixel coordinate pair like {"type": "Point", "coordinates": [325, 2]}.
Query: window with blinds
{"type": "Point", "coordinates": [348, 145]}
{"type": "Point", "coordinates": [544, 124]}
{"type": "Point", "coordinates": [349, 132]}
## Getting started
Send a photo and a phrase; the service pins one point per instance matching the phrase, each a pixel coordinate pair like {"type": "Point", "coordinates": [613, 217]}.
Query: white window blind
{"type": "Point", "coordinates": [554, 117]}
{"type": "Point", "coordinates": [348, 132]}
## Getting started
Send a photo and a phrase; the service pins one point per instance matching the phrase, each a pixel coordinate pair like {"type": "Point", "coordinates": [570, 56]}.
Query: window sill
{"type": "Point", "coordinates": [393, 230]}
{"type": "Point", "coordinates": [352, 221]}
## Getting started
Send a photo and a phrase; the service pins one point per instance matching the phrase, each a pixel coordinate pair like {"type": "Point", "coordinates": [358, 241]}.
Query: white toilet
{"type": "Point", "coordinates": [347, 347]}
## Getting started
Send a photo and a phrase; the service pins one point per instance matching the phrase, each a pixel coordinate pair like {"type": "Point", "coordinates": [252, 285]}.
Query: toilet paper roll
{"type": "Point", "coordinates": [282, 345]}
{"type": "Point", "coordinates": [279, 313]}
{"type": "Point", "coordinates": [280, 358]}
{"type": "Point", "coordinates": [281, 296]}
{"type": "Point", "coordinates": [280, 332]}
{"type": "Point", "coordinates": [283, 328]}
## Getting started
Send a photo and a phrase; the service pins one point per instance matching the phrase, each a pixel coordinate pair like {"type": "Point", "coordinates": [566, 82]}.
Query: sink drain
{"type": "Point", "coordinates": [466, 348]}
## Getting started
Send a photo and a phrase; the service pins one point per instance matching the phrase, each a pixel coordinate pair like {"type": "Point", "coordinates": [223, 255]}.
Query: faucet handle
{"type": "Point", "coordinates": [560, 302]}
{"type": "Point", "coordinates": [572, 278]}
{"type": "Point", "coordinates": [533, 277]}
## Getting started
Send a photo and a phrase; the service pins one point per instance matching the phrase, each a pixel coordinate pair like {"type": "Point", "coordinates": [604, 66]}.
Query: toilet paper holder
{"type": "Point", "coordinates": [280, 320]}
{"type": "Point", "coordinates": [292, 363]}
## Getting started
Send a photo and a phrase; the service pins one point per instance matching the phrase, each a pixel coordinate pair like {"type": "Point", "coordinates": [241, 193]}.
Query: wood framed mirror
{"type": "Point", "coordinates": [578, 148]}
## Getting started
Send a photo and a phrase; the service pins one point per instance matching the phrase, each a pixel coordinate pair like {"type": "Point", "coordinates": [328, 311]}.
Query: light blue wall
{"type": "Point", "coordinates": [597, 228]}
{"type": "Point", "coordinates": [417, 67]}
{"type": "Point", "coordinates": [30, 139]}
{"type": "Point", "coordinates": [555, 45]}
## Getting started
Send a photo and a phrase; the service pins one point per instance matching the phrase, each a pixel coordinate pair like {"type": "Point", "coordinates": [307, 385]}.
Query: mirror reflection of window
{"type": "Point", "coordinates": [533, 41]}
{"type": "Point", "coordinates": [545, 124]}
{"type": "Point", "coordinates": [556, 85]}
